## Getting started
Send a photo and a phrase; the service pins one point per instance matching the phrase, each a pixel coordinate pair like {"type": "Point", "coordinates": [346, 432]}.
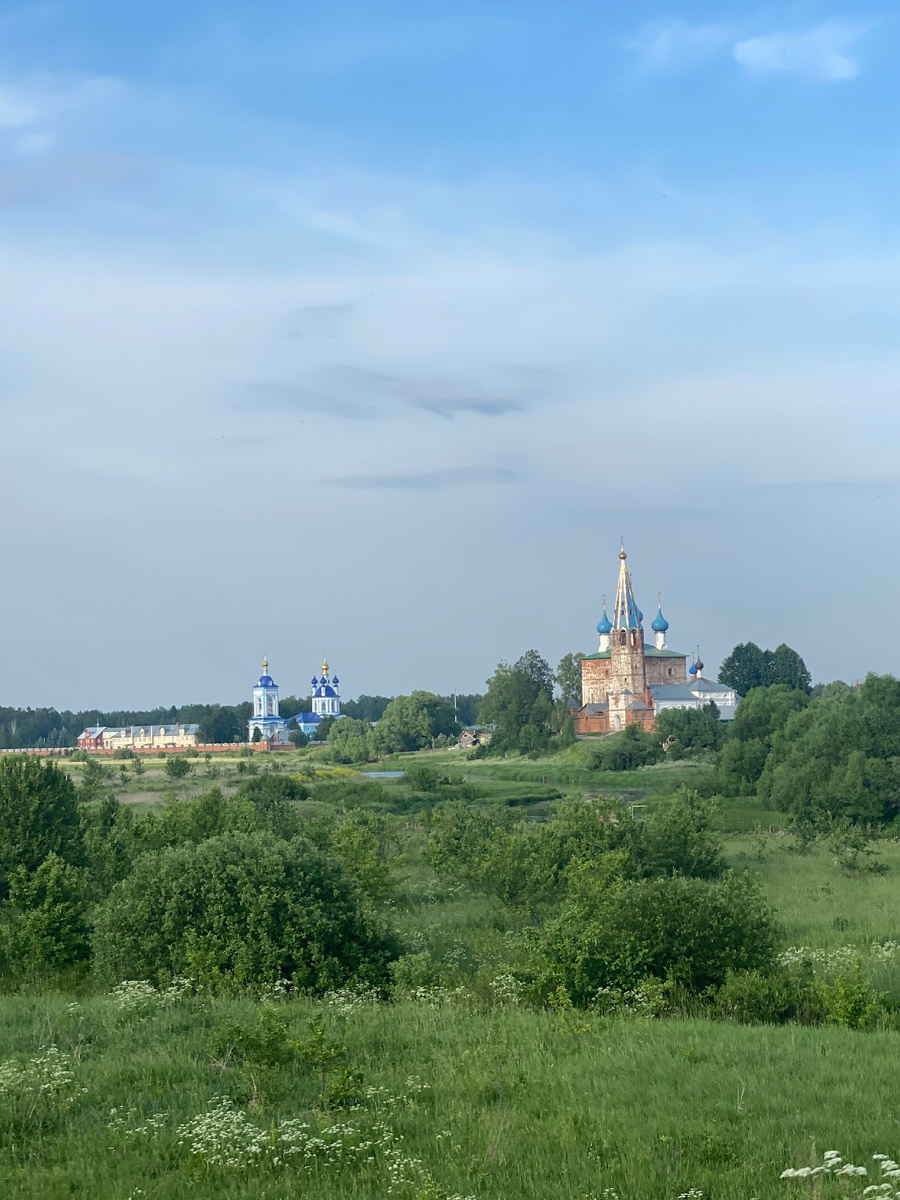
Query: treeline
{"type": "Point", "coordinates": [46, 727]}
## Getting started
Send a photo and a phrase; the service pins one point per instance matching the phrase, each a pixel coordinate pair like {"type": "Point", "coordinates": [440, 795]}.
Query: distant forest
{"type": "Point", "coordinates": [40, 727]}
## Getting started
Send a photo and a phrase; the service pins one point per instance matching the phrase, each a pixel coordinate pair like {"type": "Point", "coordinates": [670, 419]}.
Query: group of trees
{"type": "Point", "coordinates": [413, 722]}
{"type": "Point", "coordinates": [233, 891]}
{"type": "Point", "coordinates": [624, 900]}
{"type": "Point", "coordinates": [748, 667]}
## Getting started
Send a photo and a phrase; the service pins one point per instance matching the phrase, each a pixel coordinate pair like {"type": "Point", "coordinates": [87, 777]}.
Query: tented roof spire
{"type": "Point", "coordinates": [627, 614]}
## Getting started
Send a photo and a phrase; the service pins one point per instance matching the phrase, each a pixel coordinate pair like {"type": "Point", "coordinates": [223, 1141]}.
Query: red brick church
{"type": "Point", "coordinates": [628, 682]}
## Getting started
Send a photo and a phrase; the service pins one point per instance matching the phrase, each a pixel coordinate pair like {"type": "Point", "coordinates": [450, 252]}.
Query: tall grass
{"type": "Point", "coordinates": [519, 1105]}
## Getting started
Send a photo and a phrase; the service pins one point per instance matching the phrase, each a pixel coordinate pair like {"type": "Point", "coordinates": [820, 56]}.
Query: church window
{"type": "Point", "coordinates": [671, 671]}
{"type": "Point", "coordinates": [622, 638]}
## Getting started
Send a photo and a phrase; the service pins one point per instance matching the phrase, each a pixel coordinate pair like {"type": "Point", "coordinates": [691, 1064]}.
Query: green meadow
{"type": "Point", "coordinates": [457, 1091]}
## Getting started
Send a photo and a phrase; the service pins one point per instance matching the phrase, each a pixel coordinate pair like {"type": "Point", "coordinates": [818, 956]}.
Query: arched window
{"type": "Point", "coordinates": [622, 638]}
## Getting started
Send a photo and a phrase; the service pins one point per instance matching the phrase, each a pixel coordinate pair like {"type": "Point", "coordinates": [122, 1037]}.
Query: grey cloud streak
{"type": "Point", "coordinates": [355, 393]}
{"type": "Point", "coordinates": [428, 481]}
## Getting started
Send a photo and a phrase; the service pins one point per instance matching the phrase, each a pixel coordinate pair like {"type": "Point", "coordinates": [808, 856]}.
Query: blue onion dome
{"type": "Point", "coordinates": [335, 680]}
{"type": "Point", "coordinates": [315, 681]}
{"type": "Point", "coordinates": [604, 625]}
{"type": "Point", "coordinates": [692, 669]}
{"type": "Point", "coordinates": [638, 614]}
{"type": "Point", "coordinates": [660, 624]}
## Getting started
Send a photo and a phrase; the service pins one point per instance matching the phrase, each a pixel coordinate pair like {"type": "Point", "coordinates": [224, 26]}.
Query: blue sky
{"type": "Point", "coordinates": [372, 327]}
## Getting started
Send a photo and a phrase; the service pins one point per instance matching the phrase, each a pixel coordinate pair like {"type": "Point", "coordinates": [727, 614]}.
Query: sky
{"type": "Point", "coordinates": [372, 328]}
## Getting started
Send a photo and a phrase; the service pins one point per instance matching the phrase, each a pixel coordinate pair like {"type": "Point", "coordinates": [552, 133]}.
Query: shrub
{"type": "Point", "coordinates": [851, 999]}
{"type": "Point", "coordinates": [773, 998]}
{"type": "Point", "coordinates": [46, 925]}
{"type": "Point", "coordinates": [38, 815]}
{"type": "Point", "coordinates": [177, 766]}
{"type": "Point", "coordinates": [239, 911]}
{"type": "Point", "coordinates": [686, 930]}
{"type": "Point", "coordinates": [273, 798]}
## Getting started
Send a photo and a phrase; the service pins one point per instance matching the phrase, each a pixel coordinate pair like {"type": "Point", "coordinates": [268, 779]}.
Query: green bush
{"type": "Point", "coordinates": [177, 766]}
{"type": "Point", "coordinates": [45, 926]}
{"type": "Point", "coordinates": [239, 911]}
{"type": "Point", "coordinates": [635, 747]}
{"type": "Point", "coordinates": [684, 930]}
{"type": "Point", "coordinates": [771, 998]}
{"type": "Point", "coordinates": [851, 999]}
{"type": "Point", "coordinates": [126, 753]}
{"type": "Point", "coordinates": [38, 815]}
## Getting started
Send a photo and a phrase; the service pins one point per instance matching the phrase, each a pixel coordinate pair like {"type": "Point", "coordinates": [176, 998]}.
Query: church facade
{"type": "Point", "coordinates": [627, 681]}
{"type": "Point", "coordinates": [266, 718]}
{"type": "Point", "coordinates": [326, 702]}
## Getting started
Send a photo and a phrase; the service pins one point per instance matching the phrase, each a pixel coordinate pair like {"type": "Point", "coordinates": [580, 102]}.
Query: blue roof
{"type": "Point", "coordinates": [307, 718]}
{"type": "Point", "coordinates": [660, 624]}
{"type": "Point", "coordinates": [325, 691]}
{"type": "Point", "coordinates": [266, 681]}
{"type": "Point", "coordinates": [604, 625]}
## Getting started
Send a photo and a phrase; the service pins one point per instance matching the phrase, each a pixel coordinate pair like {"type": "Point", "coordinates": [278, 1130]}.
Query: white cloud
{"type": "Point", "coordinates": [819, 54]}
{"type": "Point", "coordinates": [673, 45]}
{"type": "Point", "coordinates": [38, 108]}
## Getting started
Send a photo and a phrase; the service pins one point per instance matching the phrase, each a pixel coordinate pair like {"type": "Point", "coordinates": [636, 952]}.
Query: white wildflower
{"type": "Point", "coordinates": [507, 989]}
{"type": "Point", "coordinates": [223, 1137]}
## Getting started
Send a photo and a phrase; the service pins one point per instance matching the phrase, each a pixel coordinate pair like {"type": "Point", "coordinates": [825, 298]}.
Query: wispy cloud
{"type": "Point", "coordinates": [819, 54]}
{"type": "Point", "coordinates": [355, 393]}
{"type": "Point", "coordinates": [673, 45]}
{"type": "Point", "coordinates": [35, 110]}
{"type": "Point", "coordinates": [428, 481]}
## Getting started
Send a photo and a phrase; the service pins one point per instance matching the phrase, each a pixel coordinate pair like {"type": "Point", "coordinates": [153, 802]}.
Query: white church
{"type": "Point", "coordinates": [326, 702]}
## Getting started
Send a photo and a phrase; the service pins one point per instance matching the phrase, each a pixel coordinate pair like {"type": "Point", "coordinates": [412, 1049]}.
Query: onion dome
{"type": "Point", "coordinates": [335, 680]}
{"type": "Point", "coordinates": [699, 665]}
{"type": "Point", "coordinates": [315, 682]}
{"type": "Point", "coordinates": [265, 680]}
{"type": "Point", "coordinates": [692, 669]}
{"type": "Point", "coordinates": [660, 624]}
{"type": "Point", "coordinates": [604, 625]}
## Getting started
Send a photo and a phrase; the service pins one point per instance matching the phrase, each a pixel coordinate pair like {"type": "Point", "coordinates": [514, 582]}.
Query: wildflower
{"type": "Point", "coordinates": [346, 1000]}
{"type": "Point", "coordinates": [223, 1137]}
{"type": "Point", "coordinates": [507, 989]}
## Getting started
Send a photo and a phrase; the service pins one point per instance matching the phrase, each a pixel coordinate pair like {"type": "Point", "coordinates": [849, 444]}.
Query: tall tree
{"type": "Point", "coordinates": [788, 667]}
{"type": "Point", "coordinates": [518, 704]}
{"type": "Point", "coordinates": [746, 667]}
{"type": "Point", "coordinates": [568, 679]}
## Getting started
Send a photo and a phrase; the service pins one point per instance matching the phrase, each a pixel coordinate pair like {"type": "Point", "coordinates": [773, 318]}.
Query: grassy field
{"type": "Point", "coordinates": [461, 1097]}
{"type": "Point", "coordinates": [496, 1103]}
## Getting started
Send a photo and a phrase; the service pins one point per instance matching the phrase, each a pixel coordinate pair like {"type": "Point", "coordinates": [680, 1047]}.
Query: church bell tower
{"type": "Point", "coordinates": [628, 681]}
